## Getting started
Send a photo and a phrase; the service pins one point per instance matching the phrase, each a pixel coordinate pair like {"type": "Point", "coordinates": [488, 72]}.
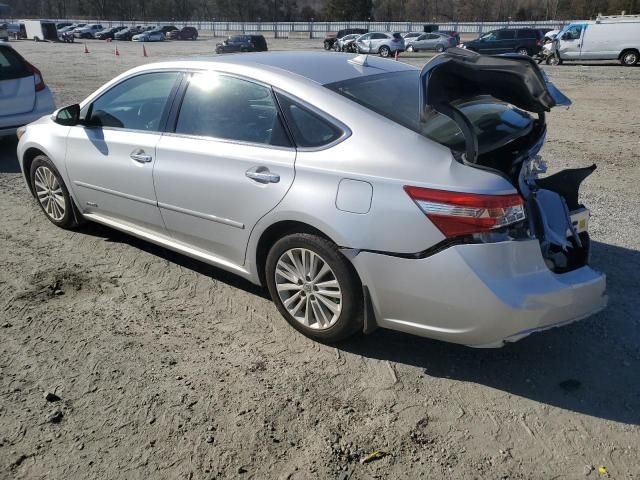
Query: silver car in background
{"type": "Point", "coordinates": [431, 41]}
{"type": "Point", "coordinates": [384, 44]}
{"type": "Point", "coordinates": [420, 210]}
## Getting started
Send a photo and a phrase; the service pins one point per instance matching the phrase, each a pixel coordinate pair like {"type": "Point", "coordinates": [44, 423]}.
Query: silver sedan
{"type": "Point", "coordinates": [431, 41]}
{"type": "Point", "coordinates": [356, 210]}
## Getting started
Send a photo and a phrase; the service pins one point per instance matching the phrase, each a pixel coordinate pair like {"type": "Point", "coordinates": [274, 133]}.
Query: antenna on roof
{"type": "Point", "coordinates": [360, 60]}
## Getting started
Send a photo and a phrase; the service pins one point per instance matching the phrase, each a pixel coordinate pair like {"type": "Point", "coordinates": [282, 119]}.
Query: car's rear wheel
{"type": "Point", "coordinates": [522, 51]}
{"type": "Point", "coordinates": [629, 58]}
{"type": "Point", "coordinates": [384, 51]}
{"type": "Point", "coordinates": [315, 287]}
{"type": "Point", "coordinates": [52, 194]}
{"type": "Point", "coordinates": [439, 48]}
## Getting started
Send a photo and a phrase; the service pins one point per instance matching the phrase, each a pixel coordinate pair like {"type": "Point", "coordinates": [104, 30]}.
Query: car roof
{"type": "Point", "coordinates": [320, 67]}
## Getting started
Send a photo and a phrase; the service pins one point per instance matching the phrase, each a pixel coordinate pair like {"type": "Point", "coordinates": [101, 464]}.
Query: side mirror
{"type": "Point", "coordinates": [69, 116]}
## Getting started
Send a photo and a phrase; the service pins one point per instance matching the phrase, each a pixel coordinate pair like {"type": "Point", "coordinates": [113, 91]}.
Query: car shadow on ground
{"type": "Point", "coordinates": [591, 367]}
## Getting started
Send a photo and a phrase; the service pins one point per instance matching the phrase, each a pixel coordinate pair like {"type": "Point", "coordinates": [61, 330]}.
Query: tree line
{"type": "Point", "coordinates": [321, 10]}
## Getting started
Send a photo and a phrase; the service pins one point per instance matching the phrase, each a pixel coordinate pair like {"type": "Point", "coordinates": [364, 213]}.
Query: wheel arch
{"type": "Point", "coordinates": [627, 50]}
{"type": "Point", "coordinates": [275, 232]}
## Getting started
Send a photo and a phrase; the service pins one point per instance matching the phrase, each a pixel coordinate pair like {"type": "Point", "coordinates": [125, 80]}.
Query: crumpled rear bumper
{"type": "Point", "coordinates": [480, 295]}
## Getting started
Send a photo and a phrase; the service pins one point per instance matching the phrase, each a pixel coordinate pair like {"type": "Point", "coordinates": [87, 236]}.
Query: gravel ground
{"type": "Point", "coordinates": [157, 366]}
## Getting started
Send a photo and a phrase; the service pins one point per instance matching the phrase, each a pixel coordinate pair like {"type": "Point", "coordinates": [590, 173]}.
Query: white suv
{"type": "Point", "coordinates": [24, 97]}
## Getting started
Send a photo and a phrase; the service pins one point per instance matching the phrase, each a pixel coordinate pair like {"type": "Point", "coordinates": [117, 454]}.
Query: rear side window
{"type": "Point", "coordinates": [378, 36]}
{"type": "Point", "coordinates": [309, 129]}
{"type": "Point", "coordinates": [506, 34]}
{"type": "Point", "coordinates": [229, 108]}
{"type": "Point", "coordinates": [11, 65]}
{"type": "Point", "coordinates": [527, 34]}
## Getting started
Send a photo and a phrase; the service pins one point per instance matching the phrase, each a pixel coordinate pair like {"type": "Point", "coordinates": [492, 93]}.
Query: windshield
{"type": "Point", "coordinates": [495, 123]}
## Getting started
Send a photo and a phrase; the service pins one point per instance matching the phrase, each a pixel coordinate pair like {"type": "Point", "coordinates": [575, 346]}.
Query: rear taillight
{"type": "Point", "coordinates": [37, 76]}
{"type": "Point", "coordinates": [459, 213]}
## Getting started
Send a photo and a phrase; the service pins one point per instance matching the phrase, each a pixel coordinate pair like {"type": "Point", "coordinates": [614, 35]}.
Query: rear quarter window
{"type": "Point", "coordinates": [309, 129]}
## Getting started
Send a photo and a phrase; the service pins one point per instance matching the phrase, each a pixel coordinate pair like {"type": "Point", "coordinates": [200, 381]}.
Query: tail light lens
{"type": "Point", "coordinates": [459, 213]}
{"type": "Point", "coordinates": [39, 81]}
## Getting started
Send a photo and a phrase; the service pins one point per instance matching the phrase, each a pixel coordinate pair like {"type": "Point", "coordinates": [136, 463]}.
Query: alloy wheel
{"type": "Point", "coordinates": [523, 51]}
{"type": "Point", "coordinates": [49, 193]}
{"type": "Point", "coordinates": [630, 58]}
{"type": "Point", "coordinates": [308, 288]}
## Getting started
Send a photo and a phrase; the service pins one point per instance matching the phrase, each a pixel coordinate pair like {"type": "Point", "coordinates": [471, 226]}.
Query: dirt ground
{"type": "Point", "coordinates": [158, 366]}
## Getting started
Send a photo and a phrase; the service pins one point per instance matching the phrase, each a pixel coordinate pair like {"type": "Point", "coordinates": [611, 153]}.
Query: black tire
{"type": "Point", "coordinates": [523, 51]}
{"type": "Point", "coordinates": [629, 58]}
{"type": "Point", "coordinates": [328, 45]}
{"type": "Point", "coordinates": [72, 217]}
{"type": "Point", "coordinates": [439, 48]}
{"type": "Point", "coordinates": [350, 318]}
{"type": "Point", "coordinates": [384, 51]}
{"type": "Point", "coordinates": [415, 50]}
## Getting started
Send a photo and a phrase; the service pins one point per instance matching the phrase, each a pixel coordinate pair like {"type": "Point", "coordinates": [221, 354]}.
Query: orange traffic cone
{"type": "Point", "coordinates": [144, 51]}
{"type": "Point", "coordinates": [117, 53]}
{"type": "Point", "coordinates": [86, 50]}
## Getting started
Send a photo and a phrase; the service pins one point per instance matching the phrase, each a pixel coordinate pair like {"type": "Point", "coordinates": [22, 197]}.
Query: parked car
{"type": "Point", "coordinates": [525, 41]}
{"type": "Point", "coordinates": [108, 33]}
{"type": "Point", "coordinates": [24, 97]}
{"type": "Point", "coordinates": [17, 31]}
{"type": "Point", "coordinates": [431, 41]}
{"type": "Point", "coordinates": [60, 26]}
{"type": "Point", "coordinates": [356, 209]}
{"type": "Point", "coordinates": [155, 35]}
{"type": "Point", "coordinates": [607, 38]}
{"type": "Point", "coordinates": [4, 32]}
{"type": "Point", "coordinates": [88, 31]}
{"type": "Point", "coordinates": [185, 33]}
{"type": "Point", "coordinates": [385, 44]}
{"type": "Point", "coordinates": [330, 39]}
{"type": "Point", "coordinates": [242, 43]}
{"type": "Point", "coordinates": [346, 43]}
{"type": "Point", "coordinates": [127, 33]}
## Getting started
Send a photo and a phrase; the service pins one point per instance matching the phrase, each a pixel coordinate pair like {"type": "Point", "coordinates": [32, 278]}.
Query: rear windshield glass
{"type": "Point", "coordinates": [496, 123]}
{"type": "Point", "coordinates": [11, 65]}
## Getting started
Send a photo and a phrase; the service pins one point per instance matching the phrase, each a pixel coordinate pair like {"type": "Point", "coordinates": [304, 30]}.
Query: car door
{"type": "Point", "coordinates": [110, 157]}
{"type": "Point", "coordinates": [377, 40]}
{"type": "Point", "coordinates": [227, 163]}
{"type": "Point", "coordinates": [505, 41]}
{"type": "Point", "coordinates": [570, 45]}
{"type": "Point", "coordinates": [364, 43]}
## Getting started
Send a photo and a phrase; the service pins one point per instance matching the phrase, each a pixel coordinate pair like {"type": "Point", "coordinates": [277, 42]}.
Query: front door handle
{"type": "Point", "coordinates": [140, 156]}
{"type": "Point", "coordinates": [262, 175]}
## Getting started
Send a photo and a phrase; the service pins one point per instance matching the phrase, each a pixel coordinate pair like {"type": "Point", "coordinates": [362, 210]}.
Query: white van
{"type": "Point", "coordinates": [606, 38]}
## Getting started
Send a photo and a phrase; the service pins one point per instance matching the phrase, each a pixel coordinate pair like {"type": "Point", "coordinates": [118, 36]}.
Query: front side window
{"type": "Point", "coordinates": [136, 103]}
{"type": "Point", "coordinates": [230, 108]}
{"type": "Point", "coordinates": [573, 33]}
{"type": "Point", "coordinates": [309, 129]}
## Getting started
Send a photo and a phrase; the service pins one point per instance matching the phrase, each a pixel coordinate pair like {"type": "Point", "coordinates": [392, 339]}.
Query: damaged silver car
{"type": "Point", "coordinates": [425, 209]}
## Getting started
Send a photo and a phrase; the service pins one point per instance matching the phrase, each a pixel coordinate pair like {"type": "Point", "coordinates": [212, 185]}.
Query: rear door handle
{"type": "Point", "coordinates": [140, 156]}
{"type": "Point", "coordinates": [262, 175]}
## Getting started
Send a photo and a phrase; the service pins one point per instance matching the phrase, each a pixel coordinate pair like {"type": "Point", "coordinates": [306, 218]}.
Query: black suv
{"type": "Point", "coordinates": [242, 43]}
{"type": "Point", "coordinates": [331, 39]}
{"type": "Point", "coordinates": [185, 33]}
{"type": "Point", "coordinates": [526, 41]}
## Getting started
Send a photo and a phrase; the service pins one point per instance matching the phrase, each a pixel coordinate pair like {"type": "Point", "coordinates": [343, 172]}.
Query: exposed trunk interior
{"type": "Point", "coordinates": [491, 112]}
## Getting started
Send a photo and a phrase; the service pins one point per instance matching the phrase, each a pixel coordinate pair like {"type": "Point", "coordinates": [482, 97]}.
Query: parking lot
{"type": "Point", "coordinates": [169, 368]}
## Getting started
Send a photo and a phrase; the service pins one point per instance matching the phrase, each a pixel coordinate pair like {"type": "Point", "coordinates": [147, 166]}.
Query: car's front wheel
{"type": "Point", "coordinates": [315, 287]}
{"type": "Point", "coordinates": [52, 194]}
{"type": "Point", "coordinates": [439, 48]}
{"type": "Point", "coordinates": [522, 51]}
